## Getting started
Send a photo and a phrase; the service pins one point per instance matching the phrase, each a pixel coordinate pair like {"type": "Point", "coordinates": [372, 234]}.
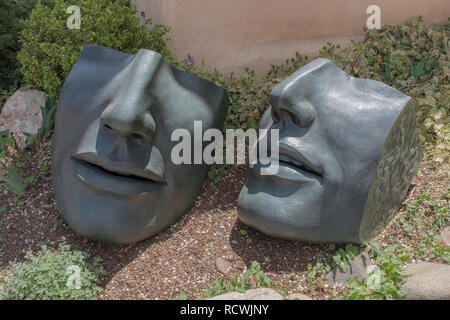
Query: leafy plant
{"type": "Point", "coordinates": [43, 166]}
{"type": "Point", "coordinates": [245, 235]}
{"type": "Point", "coordinates": [342, 256]}
{"type": "Point", "coordinates": [14, 181]}
{"type": "Point", "coordinates": [424, 67]}
{"type": "Point", "coordinates": [425, 217]}
{"type": "Point", "coordinates": [384, 282]}
{"type": "Point", "coordinates": [48, 122]}
{"type": "Point", "coordinates": [181, 296]}
{"type": "Point", "coordinates": [5, 139]}
{"type": "Point", "coordinates": [224, 285]}
{"type": "Point", "coordinates": [262, 279]}
{"type": "Point", "coordinates": [317, 273]}
{"type": "Point", "coordinates": [49, 49]}
{"type": "Point", "coordinates": [31, 179]}
{"type": "Point", "coordinates": [49, 275]}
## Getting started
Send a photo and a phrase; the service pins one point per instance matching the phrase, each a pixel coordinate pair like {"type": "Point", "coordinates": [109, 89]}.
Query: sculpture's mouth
{"type": "Point", "coordinates": [291, 158]}
{"type": "Point", "coordinates": [118, 168]}
{"type": "Point", "coordinates": [117, 177]}
{"type": "Point", "coordinates": [297, 165]}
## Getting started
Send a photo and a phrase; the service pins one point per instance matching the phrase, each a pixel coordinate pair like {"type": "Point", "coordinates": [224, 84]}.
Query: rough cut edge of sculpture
{"type": "Point", "coordinates": [398, 164]}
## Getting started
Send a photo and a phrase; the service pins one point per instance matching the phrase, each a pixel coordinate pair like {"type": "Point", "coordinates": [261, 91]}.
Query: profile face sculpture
{"type": "Point", "coordinates": [348, 150]}
{"type": "Point", "coordinates": [113, 175]}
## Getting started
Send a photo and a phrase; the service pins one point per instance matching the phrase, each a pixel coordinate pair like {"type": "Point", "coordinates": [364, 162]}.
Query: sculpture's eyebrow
{"type": "Point", "coordinates": [103, 56]}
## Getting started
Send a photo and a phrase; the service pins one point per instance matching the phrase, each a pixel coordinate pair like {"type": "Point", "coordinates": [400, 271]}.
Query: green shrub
{"type": "Point", "coordinates": [49, 49]}
{"type": "Point", "coordinates": [50, 276]}
{"type": "Point", "coordinates": [11, 14]}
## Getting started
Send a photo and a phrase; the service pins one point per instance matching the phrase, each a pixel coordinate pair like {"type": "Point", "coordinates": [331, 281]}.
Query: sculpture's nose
{"type": "Point", "coordinates": [130, 112]}
{"type": "Point", "coordinates": [125, 121]}
{"type": "Point", "coordinates": [288, 105]}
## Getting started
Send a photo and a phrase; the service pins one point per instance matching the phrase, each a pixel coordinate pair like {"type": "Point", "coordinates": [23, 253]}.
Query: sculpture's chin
{"type": "Point", "coordinates": [296, 217]}
{"type": "Point", "coordinates": [108, 221]}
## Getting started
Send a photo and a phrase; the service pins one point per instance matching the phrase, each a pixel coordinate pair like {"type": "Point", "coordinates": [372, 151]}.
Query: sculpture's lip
{"type": "Point", "coordinates": [121, 178]}
{"type": "Point", "coordinates": [118, 168]}
{"type": "Point", "coordinates": [292, 157]}
{"type": "Point", "coordinates": [118, 184]}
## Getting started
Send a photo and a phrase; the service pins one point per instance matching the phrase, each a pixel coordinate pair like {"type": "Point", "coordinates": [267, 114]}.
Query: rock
{"type": "Point", "coordinates": [252, 294]}
{"type": "Point", "coordinates": [299, 296]}
{"type": "Point", "coordinates": [360, 267]}
{"type": "Point", "coordinates": [263, 294]}
{"type": "Point", "coordinates": [22, 113]}
{"type": "Point", "coordinates": [229, 296]}
{"type": "Point", "coordinates": [427, 281]}
{"type": "Point", "coordinates": [445, 235]}
{"type": "Point", "coordinates": [222, 266]}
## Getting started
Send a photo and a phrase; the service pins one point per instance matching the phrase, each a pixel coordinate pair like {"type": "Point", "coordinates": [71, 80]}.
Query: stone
{"type": "Point", "coordinates": [229, 296]}
{"type": "Point", "coordinates": [299, 296]}
{"type": "Point", "coordinates": [252, 294]}
{"type": "Point", "coordinates": [22, 114]}
{"type": "Point", "coordinates": [120, 118]}
{"type": "Point", "coordinates": [427, 281]}
{"type": "Point", "coordinates": [445, 235]}
{"type": "Point", "coordinates": [263, 294]}
{"type": "Point", "coordinates": [222, 265]}
{"type": "Point", "coordinates": [347, 153]}
{"type": "Point", "coordinates": [360, 267]}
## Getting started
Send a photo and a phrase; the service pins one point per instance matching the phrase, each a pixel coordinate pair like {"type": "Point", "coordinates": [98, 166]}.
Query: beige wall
{"type": "Point", "coordinates": [232, 35]}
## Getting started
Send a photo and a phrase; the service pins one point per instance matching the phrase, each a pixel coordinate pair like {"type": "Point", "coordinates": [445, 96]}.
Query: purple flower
{"type": "Point", "coordinates": [191, 60]}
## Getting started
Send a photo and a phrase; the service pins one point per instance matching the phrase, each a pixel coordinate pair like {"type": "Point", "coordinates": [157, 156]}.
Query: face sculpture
{"type": "Point", "coordinates": [348, 151]}
{"type": "Point", "coordinates": [113, 175]}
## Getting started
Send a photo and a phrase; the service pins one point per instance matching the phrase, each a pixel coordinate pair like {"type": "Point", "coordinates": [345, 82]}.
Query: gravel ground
{"type": "Point", "coordinates": [179, 259]}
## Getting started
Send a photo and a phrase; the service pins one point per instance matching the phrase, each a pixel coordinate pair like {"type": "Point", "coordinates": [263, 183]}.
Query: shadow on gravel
{"type": "Point", "coordinates": [275, 255]}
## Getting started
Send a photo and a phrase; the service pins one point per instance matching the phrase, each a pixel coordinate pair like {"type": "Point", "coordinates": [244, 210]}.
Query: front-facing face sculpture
{"type": "Point", "coordinates": [113, 175]}
{"type": "Point", "coordinates": [348, 151]}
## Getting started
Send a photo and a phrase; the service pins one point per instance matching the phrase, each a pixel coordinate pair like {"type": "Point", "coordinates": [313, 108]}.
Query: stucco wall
{"type": "Point", "coordinates": [232, 35]}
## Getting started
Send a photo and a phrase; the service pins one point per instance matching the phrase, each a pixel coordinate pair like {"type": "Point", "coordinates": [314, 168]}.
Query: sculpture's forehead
{"type": "Point", "coordinates": [316, 75]}
{"type": "Point", "coordinates": [99, 64]}
{"type": "Point", "coordinates": [102, 55]}
{"type": "Point", "coordinates": [103, 73]}
{"type": "Point", "coordinates": [332, 91]}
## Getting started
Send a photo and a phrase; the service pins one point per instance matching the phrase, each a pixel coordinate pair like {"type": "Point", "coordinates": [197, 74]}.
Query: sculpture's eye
{"type": "Point", "coordinates": [138, 136]}
{"type": "Point", "coordinates": [294, 118]}
{"type": "Point", "coordinates": [275, 115]}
